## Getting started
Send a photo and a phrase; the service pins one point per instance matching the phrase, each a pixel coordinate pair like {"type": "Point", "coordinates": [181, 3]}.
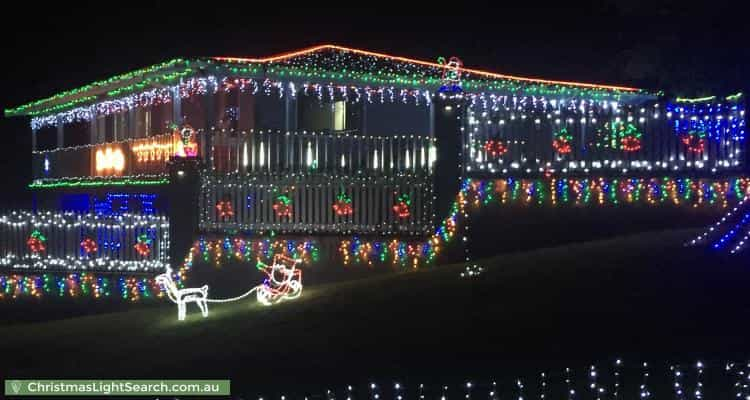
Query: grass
{"type": "Point", "coordinates": [642, 296]}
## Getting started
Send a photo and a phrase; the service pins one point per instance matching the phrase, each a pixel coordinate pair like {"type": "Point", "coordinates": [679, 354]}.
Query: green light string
{"type": "Point", "coordinates": [26, 108]}
{"type": "Point", "coordinates": [613, 192]}
{"type": "Point", "coordinates": [85, 182]}
{"type": "Point", "coordinates": [734, 97]}
{"type": "Point", "coordinates": [424, 78]}
{"type": "Point", "coordinates": [695, 100]}
{"type": "Point", "coordinates": [586, 191]}
{"type": "Point", "coordinates": [148, 82]}
{"type": "Point", "coordinates": [73, 285]}
{"type": "Point", "coordinates": [539, 189]}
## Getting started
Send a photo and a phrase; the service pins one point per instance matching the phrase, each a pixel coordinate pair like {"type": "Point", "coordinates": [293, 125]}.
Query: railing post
{"type": "Point", "coordinates": [290, 108]}
{"type": "Point", "coordinates": [60, 128]}
{"type": "Point", "coordinates": [449, 167]}
{"type": "Point", "coordinates": [177, 106]}
{"type": "Point", "coordinates": [184, 189]}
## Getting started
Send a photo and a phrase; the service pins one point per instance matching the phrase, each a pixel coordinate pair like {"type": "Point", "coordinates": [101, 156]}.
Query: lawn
{"type": "Point", "coordinates": [640, 297]}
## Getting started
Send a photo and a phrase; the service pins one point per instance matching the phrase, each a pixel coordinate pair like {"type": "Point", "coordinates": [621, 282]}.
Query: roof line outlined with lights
{"type": "Point", "coordinates": [159, 75]}
{"type": "Point", "coordinates": [284, 56]}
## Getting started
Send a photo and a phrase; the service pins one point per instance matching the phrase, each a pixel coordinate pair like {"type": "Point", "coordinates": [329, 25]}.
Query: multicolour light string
{"type": "Point", "coordinates": [130, 288]}
{"type": "Point", "coordinates": [237, 249]}
{"type": "Point", "coordinates": [134, 288]}
{"type": "Point", "coordinates": [682, 192]}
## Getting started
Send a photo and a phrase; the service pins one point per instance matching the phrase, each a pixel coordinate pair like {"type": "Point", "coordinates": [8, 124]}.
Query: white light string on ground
{"type": "Point", "coordinates": [231, 299]}
{"type": "Point", "coordinates": [737, 383]}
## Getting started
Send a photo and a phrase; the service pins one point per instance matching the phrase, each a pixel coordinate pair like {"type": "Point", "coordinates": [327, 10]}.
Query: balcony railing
{"type": "Point", "coordinates": [145, 156]}
{"type": "Point", "coordinates": [254, 152]}
{"type": "Point", "coordinates": [333, 153]}
{"type": "Point", "coordinates": [52, 242]}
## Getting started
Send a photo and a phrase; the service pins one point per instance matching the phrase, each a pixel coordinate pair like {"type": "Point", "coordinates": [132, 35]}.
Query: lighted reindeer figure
{"type": "Point", "coordinates": [183, 296]}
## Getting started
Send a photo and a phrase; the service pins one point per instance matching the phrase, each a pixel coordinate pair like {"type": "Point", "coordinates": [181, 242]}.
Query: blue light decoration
{"type": "Point", "coordinates": [120, 203]}
{"type": "Point", "coordinates": [110, 242]}
{"type": "Point", "coordinates": [46, 165]}
{"type": "Point", "coordinates": [249, 201]}
{"type": "Point", "coordinates": [77, 203]}
{"type": "Point", "coordinates": [731, 233]}
{"type": "Point", "coordinates": [719, 121]}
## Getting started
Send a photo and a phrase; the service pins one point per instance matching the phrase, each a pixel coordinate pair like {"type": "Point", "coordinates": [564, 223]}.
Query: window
{"type": "Point", "coordinates": [147, 122]}
{"type": "Point", "coordinates": [316, 115]}
{"type": "Point", "coordinates": [46, 138]}
{"type": "Point", "coordinates": [339, 115]}
{"type": "Point", "coordinates": [397, 119]}
{"type": "Point", "coordinates": [76, 133]}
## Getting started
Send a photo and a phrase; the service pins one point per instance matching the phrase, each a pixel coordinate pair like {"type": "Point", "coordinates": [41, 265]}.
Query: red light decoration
{"type": "Point", "coordinates": [630, 144]}
{"type": "Point", "coordinates": [283, 206]}
{"type": "Point", "coordinates": [143, 247]}
{"type": "Point", "coordinates": [695, 141]}
{"type": "Point", "coordinates": [563, 142]}
{"type": "Point", "coordinates": [185, 142]}
{"type": "Point", "coordinates": [629, 136]}
{"type": "Point", "coordinates": [343, 205]}
{"type": "Point", "coordinates": [401, 208]}
{"type": "Point", "coordinates": [224, 209]}
{"type": "Point", "coordinates": [495, 148]}
{"type": "Point", "coordinates": [89, 246]}
{"type": "Point", "coordinates": [36, 242]}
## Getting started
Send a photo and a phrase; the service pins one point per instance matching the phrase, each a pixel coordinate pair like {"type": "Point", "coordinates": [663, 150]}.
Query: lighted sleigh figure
{"type": "Point", "coordinates": [181, 297]}
{"type": "Point", "coordinates": [284, 281]}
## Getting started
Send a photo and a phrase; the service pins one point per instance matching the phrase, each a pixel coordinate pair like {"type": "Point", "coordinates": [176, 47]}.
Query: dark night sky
{"type": "Point", "coordinates": [687, 50]}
